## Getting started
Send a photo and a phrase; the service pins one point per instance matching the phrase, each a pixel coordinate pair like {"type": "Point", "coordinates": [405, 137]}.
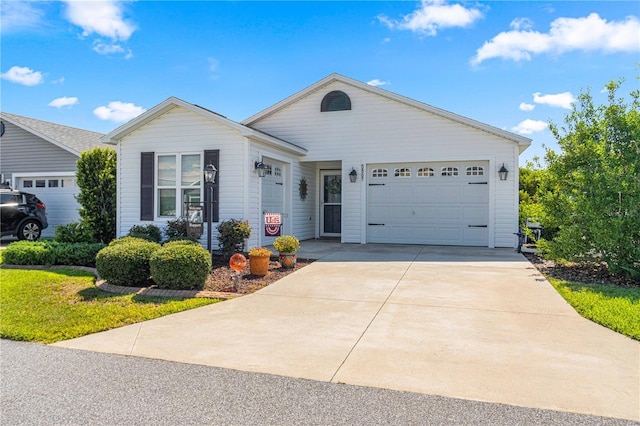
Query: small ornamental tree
{"type": "Point", "coordinates": [96, 177]}
{"type": "Point", "coordinates": [591, 189]}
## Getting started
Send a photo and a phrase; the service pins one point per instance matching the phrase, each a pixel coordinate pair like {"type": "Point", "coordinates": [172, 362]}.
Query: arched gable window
{"type": "Point", "coordinates": [335, 101]}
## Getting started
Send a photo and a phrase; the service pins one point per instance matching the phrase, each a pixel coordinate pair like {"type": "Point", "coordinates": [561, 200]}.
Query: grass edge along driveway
{"type": "Point", "coordinates": [614, 307]}
{"type": "Point", "coordinates": [49, 306]}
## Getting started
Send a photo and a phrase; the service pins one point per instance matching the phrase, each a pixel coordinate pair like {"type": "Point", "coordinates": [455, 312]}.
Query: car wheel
{"type": "Point", "coordinates": [30, 231]}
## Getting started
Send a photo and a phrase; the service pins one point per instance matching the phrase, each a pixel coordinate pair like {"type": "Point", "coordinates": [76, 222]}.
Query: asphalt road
{"type": "Point", "coordinates": [44, 385]}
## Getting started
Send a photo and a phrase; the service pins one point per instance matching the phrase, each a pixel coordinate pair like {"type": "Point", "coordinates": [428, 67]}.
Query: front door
{"type": "Point", "coordinates": [331, 203]}
{"type": "Point", "coordinates": [272, 195]}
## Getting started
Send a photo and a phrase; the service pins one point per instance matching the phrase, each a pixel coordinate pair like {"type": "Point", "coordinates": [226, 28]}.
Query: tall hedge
{"type": "Point", "coordinates": [96, 177]}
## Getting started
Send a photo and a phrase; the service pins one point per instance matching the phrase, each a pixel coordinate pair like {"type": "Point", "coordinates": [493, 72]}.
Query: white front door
{"type": "Point", "coordinates": [330, 203]}
{"type": "Point", "coordinates": [273, 196]}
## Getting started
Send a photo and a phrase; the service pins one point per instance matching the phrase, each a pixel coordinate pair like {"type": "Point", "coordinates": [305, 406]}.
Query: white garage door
{"type": "Point", "coordinates": [57, 193]}
{"type": "Point", "coordinates": [428, 203]}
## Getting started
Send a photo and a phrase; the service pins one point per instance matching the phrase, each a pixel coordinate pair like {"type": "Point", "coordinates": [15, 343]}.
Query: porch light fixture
{"type": "Point", "coordinates": [261, 168]}
{"type": "Point", "coordinates": [353, 175]}
{"type": "Point", "coordinates": [503, 172]}
{"type": "Point", "coordinates": [210, 172]}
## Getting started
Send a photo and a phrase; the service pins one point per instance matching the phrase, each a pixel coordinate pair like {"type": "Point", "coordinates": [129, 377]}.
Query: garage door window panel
{"type": "Point", "coordinates": [425, 172]}
{"type": "Point", "coordinates": [402, 172]}
{"type": "Point", "coordinates": [475, 171]}
{"type": "Point", "coordinates": [379, 173]}
{"type": "Point", "coordinates": [449, 171]}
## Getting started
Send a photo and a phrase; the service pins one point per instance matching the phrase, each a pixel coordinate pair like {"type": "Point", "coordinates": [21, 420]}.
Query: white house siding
{"type": "Point", "coordinates": [381, 130]}
{"type": "Point", "coordinates": [181, 131]}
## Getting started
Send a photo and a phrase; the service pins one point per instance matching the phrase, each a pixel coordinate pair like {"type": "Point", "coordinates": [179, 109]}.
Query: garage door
{"type": "Point", "coordinates": [57, 193]}
{"type": "Point", "coordinates": [428, 203]}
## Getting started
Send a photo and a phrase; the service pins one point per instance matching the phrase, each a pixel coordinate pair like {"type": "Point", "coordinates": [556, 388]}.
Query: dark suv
{"type": "Point", "coordinates": [22, 215]}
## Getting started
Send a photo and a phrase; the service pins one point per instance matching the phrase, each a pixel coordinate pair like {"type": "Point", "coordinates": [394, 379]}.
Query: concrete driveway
{"type": "Point", "coordinates": [472, 323]}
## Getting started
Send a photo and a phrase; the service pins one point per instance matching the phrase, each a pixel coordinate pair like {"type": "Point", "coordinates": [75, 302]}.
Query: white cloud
{"type": "Point", "coordinates": [23, 75]}
{"type": "Point", "coordinates": [377, 82]}
{"type": "Point", "coordinates": [104, 18]}
{"type": "Point", "coordinates": [213, 64]}
{"type": "Point", "coordinates": [58, 81]}
{"type": "Point", "coordinates": [18, 15]}
{"type": "Point", "coordinates": [528, 126]}
{"type": "Point", "coordinates": [118, 111]}
{"type": "Point", "coordinates": [561, 100]}
{"type": "Point", "coordinates": [591, 33]}
{"type": "Point", "coordinates": [63, 101]}
{"type": "Point", "coordinates": [110, 49]}
{"type": "Point", "coordinates": [526, 107]}
{"type": "Point", "coordinates": [433, 15]}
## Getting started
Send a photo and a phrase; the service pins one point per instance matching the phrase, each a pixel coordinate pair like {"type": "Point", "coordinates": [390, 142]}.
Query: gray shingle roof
{"type": "Point", "coordinates": [77, 140]}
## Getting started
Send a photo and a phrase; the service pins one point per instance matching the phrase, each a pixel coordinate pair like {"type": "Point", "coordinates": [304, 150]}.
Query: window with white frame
{"type": "Point", "coordinates": [179, 181]}
{"type": "Point", "coordinates": [425, 172]}
{"type": "Point", "coordinates": [475, 171]}
{"type": "Point", "coordinates": [277, 171]}
{"type": "Point", "coordinates": [449, 171]}
{"type": "Point", "coordinates": [379, 173]}
{"type": "Point", "coordinates": [402, 172]}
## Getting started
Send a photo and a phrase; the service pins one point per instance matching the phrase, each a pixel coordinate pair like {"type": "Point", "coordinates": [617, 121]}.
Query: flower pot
{"type": "Point", "coordinates": [287, 260]}
{"type": "Point", "coordinates": [259, 265]}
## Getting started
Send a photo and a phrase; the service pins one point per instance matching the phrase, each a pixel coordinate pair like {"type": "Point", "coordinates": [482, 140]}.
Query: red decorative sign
{"type": "Point", "coordinates": [272, 224]}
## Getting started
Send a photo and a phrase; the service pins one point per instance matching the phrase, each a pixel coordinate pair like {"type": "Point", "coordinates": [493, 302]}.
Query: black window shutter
{"type": "Point", "coordinates": [212, 156]}
{"type": "Point", "coordinates": [146, 185]}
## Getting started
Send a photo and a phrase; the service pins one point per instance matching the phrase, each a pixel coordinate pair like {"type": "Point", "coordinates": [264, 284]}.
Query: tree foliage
{"type": "Point", "coordinates": [96, 177]}
{"type": "Point", "coordinates": [591, 189]}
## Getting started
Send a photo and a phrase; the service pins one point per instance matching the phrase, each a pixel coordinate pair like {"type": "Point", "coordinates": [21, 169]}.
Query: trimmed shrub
{"type": "Point", "coordinates": [51, 253]}
{"type": "Point", "coordinates": [146, 232]}
{"type": "Point", "coordinates": [29, 253]}
{"type": "Point", "coordinates": [126, 262]}
{"type": "Point", "coordinates": [74, 232]}
{"type": "Point", "coordinates": [180, 243]}
{"type": "Point", "coordinates": [180, 266]}
{"type": "Point", "coordinates": [78, 254]}
{"type": "Point", "coordinates": [178, 229]}
{"type": "Point", "coordinates": [231, 235]}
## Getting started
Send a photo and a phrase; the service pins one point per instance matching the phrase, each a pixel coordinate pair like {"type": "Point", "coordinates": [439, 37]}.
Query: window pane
{"type": "Point", "coordinates": [27, 184]}
{"type": "Point", "coordinates": [167, 202]}
{"type": "Point", "coordinates": [53, 183]}
{"type": "Point", "coordinates": [191, 170]}
{"type": "Point", "coordinates": [40, 183]}
{"type": "Point", "coordinates": [166, 170]}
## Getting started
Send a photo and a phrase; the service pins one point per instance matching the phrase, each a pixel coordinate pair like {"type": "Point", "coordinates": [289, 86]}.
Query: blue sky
{"type": "Point", "coordinates": [511, 64]}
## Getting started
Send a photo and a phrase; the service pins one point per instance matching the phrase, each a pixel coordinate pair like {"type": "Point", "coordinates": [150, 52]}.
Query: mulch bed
{"type": "Point", "coordinates": [581, 273]}
{"type": "Point", "coordinates": [224, 279]}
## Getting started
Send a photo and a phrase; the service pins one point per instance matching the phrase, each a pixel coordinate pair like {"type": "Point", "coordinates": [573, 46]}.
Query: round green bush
{"type": "Point", "coordinates": [180, 242]}
{"type": "Point", "coordinates": [180, 266]}
{"type": "Point", "coordinates": [126, 262]}
{"type": "Point", "coordinates": [147, 232]}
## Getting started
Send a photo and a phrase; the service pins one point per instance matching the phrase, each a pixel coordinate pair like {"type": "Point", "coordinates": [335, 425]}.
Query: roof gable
{"type": "Point", "coordinates": [116, 135]}
{"type": "Point", "coordinates": [522, 141]}
{"type": "Point", "coordinates": [68, 138]}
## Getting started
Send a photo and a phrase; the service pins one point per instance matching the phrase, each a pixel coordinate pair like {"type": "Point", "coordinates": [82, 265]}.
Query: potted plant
{"type": "Point", "coordinates": [259, 260]}
{"type": "Point", "coordinates": [287, 246]}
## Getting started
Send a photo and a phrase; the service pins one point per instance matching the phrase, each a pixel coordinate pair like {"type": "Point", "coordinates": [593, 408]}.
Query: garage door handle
{"type": "Point", "coordinates": [376, 224]}
{"type": "Point", "coordinates": [478, 183]}
{"type": "Point", "coordinates": [477, 226]}
{"type": "Point", "coordinates": [376, 184]}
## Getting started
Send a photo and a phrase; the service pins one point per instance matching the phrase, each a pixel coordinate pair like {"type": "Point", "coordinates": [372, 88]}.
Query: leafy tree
{"type": "Point", "coordinates": [592, 187]}
{"type": "Point", "coordinates": [531, 177]}
{"type": "Point", "coordinates": [96, 177]}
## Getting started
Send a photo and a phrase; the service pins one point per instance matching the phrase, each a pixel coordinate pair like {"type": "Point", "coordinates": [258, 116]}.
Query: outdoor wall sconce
{"type": "Point", "coordinates": [503, 172]}
{"type": "Point", "coordinates": [353, 175]}
{"type": "Point", "coordinates": [261, 168]}
{"type": "Point", "coordinates": [209, 172]}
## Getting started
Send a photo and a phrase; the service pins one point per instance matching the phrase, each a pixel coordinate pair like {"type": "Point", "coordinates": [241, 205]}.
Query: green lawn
{"type": "Point", "coordinates": [50, 306]}
{"type": "Point", "coordinates": [617, 308]}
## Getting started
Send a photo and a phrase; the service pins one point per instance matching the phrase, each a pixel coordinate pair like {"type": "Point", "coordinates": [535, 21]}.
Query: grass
{"type": "Point", "coordinates": [614, 307]}
{"type": "Point", "coordinates": [50, 306]}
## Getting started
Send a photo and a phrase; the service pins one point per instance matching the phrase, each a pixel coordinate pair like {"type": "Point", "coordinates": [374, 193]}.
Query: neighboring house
{"type": "Point", "coordinates": [40, 158]}
{"type": "Point", "coordinates": [420, 174]}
